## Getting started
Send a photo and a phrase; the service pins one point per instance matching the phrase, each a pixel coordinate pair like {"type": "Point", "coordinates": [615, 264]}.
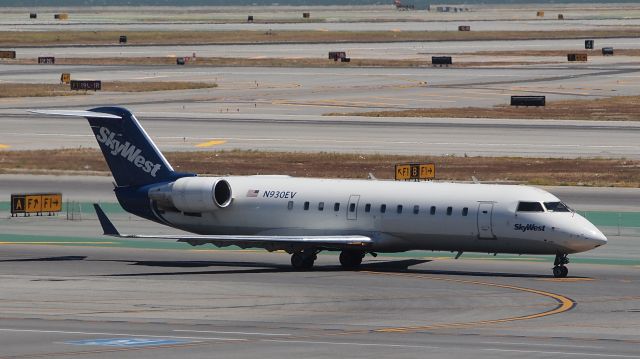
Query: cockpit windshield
{"type": "Point", "coordinates": [530, 207]}
{"type": "Point", "coordinates": [557, 207]}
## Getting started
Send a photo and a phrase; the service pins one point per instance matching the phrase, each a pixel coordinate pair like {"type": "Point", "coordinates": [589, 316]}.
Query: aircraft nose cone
{"type": "Point", "coordinates": [597, 238]}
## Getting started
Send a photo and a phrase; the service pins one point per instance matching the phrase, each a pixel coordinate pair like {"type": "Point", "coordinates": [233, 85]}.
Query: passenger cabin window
{"type": "Point", "coordinates": [383, 208]}
{"type": "Point", "coordinates": [399, 209]}
{"type": "Point", "coordinates": [352, 207]}
{"type": "Point", "coordinates": [530, 207]}
{"type": "Point", "coordinates": [321, 206]}
{"type": "Point", "coordinates": [367, 207]}
{"type": "Point", "coordinates": [336, 206]}
{"type": "Point", "coordinates": [449, 211]}
{"type": "Point", "coordinates": [290, 205]}
{"type": "Point", "coordinates": [465, 211]}
{"type": "Point", "coordinates": [557, 207]}
{"type": "Point", "coordinates": [306, 206]}
{"type": "Point", "coordinates": [416, 209]}
{"type": "Point", "coordinates": [432, 211]}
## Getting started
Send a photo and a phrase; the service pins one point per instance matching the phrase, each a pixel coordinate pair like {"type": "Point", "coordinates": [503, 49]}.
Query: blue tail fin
{"type": "Point", "coordinates": [133, 158]}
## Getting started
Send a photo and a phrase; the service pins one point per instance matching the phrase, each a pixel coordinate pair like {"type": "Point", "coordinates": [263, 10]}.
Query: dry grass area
{"type": "Point", "coordinates": [537, 171]}
{"type": "Point", "coordinates": [620, 108]}
{"type": "Point", "coordinates": [35, 90]}
{"type": "Point", "coordinates": [44, 90]}
{"type": "Point", "coordinates": [36, 38]}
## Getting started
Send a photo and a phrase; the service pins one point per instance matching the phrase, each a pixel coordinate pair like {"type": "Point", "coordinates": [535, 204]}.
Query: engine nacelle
{"type": "Point", "coordinates": [194, 194]}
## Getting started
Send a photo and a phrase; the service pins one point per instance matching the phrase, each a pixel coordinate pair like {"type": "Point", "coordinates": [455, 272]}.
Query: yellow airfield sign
{"type": "Point", "coordinates": [415, 171]}
{"type": "Point", "coordinates": [36, 203]}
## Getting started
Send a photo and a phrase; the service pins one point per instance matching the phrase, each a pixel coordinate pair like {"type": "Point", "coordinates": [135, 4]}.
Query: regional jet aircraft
{"type": "Point", "coordinates": [304, 216]}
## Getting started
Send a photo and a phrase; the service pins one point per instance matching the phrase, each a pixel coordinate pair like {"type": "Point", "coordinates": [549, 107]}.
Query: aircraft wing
{"type": "Point", "coordinates": [244, 241]}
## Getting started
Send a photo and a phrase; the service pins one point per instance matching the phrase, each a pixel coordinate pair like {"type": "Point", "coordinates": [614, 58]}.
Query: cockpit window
{"type": "Point", "coordinates": [557, 207]}
{"type": "Point", "coordinates": [530, 207]}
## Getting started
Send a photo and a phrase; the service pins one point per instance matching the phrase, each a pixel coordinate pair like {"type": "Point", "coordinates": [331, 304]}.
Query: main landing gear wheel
{"type": "Point", "coordinates": [351, 259]}
{"type": "Point", "coordinates": [559, 269]}
{"type": "Point", "coordinates": [303, 260]}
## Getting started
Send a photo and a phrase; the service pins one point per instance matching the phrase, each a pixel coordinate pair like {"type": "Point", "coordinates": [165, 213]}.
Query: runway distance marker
{"type": "Point", "coordinates": [564, 304]}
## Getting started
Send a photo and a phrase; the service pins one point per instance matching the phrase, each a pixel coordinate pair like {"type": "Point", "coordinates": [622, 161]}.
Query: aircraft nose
{"type": "Point", "coordinates": [597, 237]}
{"type": "Point", "coordinates": [591, 234]}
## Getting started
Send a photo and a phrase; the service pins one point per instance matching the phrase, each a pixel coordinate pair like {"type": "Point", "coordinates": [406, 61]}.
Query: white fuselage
{"type": "Point", "coordinates": [398, 216]}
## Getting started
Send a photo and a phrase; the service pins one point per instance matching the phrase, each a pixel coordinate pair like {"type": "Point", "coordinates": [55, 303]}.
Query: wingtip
{"type": "Point", "coordinates": [77, 113]}
{"type": "Point", "coordinates": [107, 227]}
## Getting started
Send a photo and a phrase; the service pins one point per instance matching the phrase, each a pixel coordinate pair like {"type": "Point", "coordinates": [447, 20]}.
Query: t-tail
{"type": "Point", "coordinates": [134, 160]}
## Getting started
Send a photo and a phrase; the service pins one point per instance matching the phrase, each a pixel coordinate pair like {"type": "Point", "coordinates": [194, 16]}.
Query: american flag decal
{"type": "Point", "coordinates": [253, 193]}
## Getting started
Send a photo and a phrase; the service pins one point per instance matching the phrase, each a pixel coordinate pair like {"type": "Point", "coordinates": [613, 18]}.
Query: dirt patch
{"type": "Point", "coordinates": [536, 171]}
{"type": "Point", "coordinates": [39, 38]}
{"type": "Point", "coordinates": [43, 90]}
{"type": "Point", "coordinates": [620, 108]}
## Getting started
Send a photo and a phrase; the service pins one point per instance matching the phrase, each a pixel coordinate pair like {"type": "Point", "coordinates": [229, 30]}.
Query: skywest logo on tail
{"type": "Point", "coordinates": [127, 151]}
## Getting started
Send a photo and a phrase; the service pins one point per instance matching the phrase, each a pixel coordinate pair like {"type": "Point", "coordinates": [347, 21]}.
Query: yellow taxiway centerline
{"type": "Point", "coordinates": [211, 143]}
{"type": "Point", "coordinates": [564, 304]}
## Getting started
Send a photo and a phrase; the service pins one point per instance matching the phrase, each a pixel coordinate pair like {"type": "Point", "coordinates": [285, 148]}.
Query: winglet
{"type": "Point", "coordinates": [108, 227]}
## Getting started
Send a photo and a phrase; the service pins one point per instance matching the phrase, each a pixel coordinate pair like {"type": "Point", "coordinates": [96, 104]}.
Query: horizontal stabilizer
{"type": "Point", "coordinates": [107, 227]}
{"type": "Point", "coordinates": [77, 113]}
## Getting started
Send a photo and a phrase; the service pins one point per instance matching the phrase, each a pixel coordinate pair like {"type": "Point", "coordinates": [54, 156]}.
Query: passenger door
{"type": "Point", "coordinates": [352, 207]}
{"type": "Point", "coordinates": [485, 226]}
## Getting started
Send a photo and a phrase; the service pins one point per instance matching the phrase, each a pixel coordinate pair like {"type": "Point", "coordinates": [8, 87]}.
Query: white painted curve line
{"type": "Point", "coordinates": [223, 332]}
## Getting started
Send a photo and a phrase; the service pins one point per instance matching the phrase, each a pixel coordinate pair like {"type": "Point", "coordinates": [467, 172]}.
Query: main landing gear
{"type": "Point", "coordinates": [303, 260]}
{"type": "Point", "coordinates": [559, 270]}
{"type": "Point", "coordinates": [351, 259]}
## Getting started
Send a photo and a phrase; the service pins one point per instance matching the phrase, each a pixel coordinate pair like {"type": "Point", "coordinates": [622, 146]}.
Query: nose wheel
{"type": "Point", "coordinates": [559, 269]}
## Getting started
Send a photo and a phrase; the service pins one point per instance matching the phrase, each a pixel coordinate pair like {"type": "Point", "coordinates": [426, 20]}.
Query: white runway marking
{"type": "Point", "coordinates": [561, 353]}
{"type": "Point", "coordinates": [351, 343]}
{"type": "Point", "coordinates": [113, 334]}
{"type": "Point", "coordinates": [222, 332]}
{"type": "Point", "coordinates": [545, 345]}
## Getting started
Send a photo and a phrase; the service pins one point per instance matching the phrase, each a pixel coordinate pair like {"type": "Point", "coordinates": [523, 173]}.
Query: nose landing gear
{"type": "Point", "coordinates": [559, 269]}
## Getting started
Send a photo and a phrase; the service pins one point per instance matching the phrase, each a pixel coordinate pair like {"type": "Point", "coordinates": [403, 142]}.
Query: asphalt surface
{"type": "Point", "coordinates": [112, 302]}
